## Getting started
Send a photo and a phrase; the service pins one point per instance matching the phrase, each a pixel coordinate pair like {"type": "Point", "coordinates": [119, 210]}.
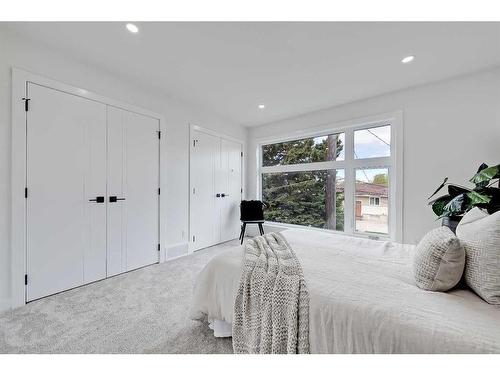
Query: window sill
{"type": "Point", "coordinates": [375, 237]}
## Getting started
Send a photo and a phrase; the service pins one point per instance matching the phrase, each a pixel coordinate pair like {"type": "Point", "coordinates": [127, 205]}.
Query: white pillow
{"type": "Point", "coordinates": [480, 235]}
{"type": "Point", "coordinates": [439, 260]}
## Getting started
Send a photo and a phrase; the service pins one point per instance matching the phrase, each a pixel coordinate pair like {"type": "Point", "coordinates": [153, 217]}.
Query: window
{"type": "Point", "coordinates": [310, 198]}
{"type": "Point", "coordinates": [372, 142]}
{"type": "Point", "coordinates": [306, 150]}
{"type": "Point", "coordinates": [372, 191]}
{"type": "Point", "coordinates": [310, 192]}
{"type": "Point", "coordinates": [341, 181]}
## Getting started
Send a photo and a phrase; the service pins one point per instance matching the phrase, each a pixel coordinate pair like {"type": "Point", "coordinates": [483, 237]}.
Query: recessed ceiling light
{"type": "Point", "coordinates": [407, 59]}
{"type": "Point", "coordinates": [132, 28]}
{"type": "Point", "coordinates": [262, 106]}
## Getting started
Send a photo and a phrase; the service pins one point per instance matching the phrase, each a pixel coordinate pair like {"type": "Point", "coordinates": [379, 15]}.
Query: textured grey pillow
{"type": "Point", "coordinates": [439, 260]}
{"type": "Point", "coordinates": [480, 235]}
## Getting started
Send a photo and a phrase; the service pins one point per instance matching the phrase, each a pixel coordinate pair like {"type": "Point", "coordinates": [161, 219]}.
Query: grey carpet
{"type": "Point", "coordinates": [143, 311]}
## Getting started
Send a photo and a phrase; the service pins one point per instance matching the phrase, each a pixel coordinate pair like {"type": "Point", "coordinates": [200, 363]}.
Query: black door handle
{"type": "Point", "coordinates": [97, 200]}
{"type": "Point", "coordinates": [113, 199]}
{"type": "Point", "coordinates": [224, 195]}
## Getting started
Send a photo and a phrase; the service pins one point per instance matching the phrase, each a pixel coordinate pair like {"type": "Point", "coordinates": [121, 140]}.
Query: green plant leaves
{"type": "Point", "coordinates": [478, 198]}
{"type": "Point", "coordinates": [484, 176]}
{"type": "Point", "coordinates": [460, 199]}
{"type": "Point", "coordinates": [456, 206]}
{"type": "Point", "coordinates": [494, 203]}
{"type": "Point", "coordinates": [494, 192]}
{"type": "Point", "coordinates": [454, 190]}
{"type": "Point", "coordinates": [481, 167]}
{"type": "Point", "coordinates": [439, 203]}
{"type": "Point", "coordinates": [439, 188]}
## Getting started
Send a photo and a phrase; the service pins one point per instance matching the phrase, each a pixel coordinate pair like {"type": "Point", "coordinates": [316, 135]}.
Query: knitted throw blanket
{"type": "Point", "coordinates": [271, 309]}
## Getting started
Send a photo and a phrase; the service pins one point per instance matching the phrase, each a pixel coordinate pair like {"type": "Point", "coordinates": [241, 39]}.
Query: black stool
{"type": "Point", "coordinates": [251, 212]}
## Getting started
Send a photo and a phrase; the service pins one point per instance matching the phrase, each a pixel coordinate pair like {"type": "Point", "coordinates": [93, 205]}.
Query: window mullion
{"type": "Point", "coordinates": [372, 162]}
{"type": "Point", "coordinates": [349, 184]}
{"type": "Point", "coordinates": [318, 166]}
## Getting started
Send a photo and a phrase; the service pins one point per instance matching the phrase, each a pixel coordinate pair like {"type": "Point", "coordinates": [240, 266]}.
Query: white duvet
{"type": "Point", "coordinates": [363, 299]}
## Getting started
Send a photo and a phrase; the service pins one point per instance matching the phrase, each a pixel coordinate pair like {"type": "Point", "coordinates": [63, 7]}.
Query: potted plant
{"type": "Point", "coordinates": [453, 206]}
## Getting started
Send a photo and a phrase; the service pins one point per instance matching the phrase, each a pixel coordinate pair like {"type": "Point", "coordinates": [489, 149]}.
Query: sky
{"type": "Point", "coordinates": [374, 142]}
{"type": "Point", "coordinates": [368, 143]}
{"type": "Point", "coordinates": [366, 175]}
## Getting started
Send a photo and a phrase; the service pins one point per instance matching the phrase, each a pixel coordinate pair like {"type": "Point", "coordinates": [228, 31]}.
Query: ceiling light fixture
{"type": "Point", "coordinates": [132, 28]}
{"type": "Point", "coordinates": [408, 59]}
{"type": "Point", "coordinates": [262, 106]}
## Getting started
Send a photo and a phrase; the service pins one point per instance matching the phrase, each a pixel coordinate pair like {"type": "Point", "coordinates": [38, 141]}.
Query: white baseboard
{"type": "Point", "coordinates": [5, 304]}
{"type": "Point", "coordinates": [177, 250]}
{"type": "Point", "coordinates": [177, 257]}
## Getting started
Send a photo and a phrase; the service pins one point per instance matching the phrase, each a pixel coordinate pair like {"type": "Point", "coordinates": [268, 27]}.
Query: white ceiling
{"type": "Point", "coordinates": [294, 68]}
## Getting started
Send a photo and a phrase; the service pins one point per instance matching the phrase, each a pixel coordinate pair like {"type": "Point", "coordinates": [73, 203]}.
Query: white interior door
{"type": "Point", "coordinates": [117, 214]}
{"type": "Point", "coordinates": [133, 182]}
{"type": "Point", "coordinates": [204, 220]}
{"type": "Point", "coordinates": [215, 173]}
{"type": "Point", "coordinates": [230, 156]}
{"type": "Point", "coordinates": [220, 186]}
{"type": "Point", "coordinates": [65, 171]}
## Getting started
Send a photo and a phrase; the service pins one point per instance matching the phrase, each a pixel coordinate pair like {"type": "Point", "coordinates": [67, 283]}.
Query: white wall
{"type": "Point", "coordinates": [25, 55]}
{"type": "Point", "coordinates": [450, 127]}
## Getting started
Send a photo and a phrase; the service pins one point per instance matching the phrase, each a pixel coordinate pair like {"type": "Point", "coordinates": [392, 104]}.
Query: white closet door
{"type": "Point", "coordinates": [231, 177]}
{"type": "Point", "coordinates": [215, 173]}
{"type": "Point", "coordinates": [133, 178]}
{"type": "Point", "coordinates": [117, 214]}
{"type": "Point", "coordinates": [203, 215]}
{"type": "Point", "coordinates": [66, 238]}
{"type": "Point", "coordinates": [220, 186]}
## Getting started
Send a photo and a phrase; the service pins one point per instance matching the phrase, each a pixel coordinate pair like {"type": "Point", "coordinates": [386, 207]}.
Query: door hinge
{"type": "Point", "coordinates": [159, 191]}
{"type": "Point", "coordinates": [26, 105]}
{"type": "Point", "coordinates": [25, 192]}
{"type": "Point", "coordinates": [194, 238]}
{"type": "Point", "coordinates": [25, 279]}
{"type": "Point", "coordinates": [159, 247]}
{"type": "Point", "coordinates": [241, 153]}
{"type": "Point", "coordinates": [159, 134]}
{"type": "Point", "coordinates": [194, 142]}
{"type": "Point", "coordinates": [194, 190]}
{"type": "Point", "coordinates": [241, 190]}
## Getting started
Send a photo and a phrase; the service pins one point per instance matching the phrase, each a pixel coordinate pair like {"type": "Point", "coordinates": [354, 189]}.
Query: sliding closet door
{"type": "Point", "coordinates": [66, 180]}
{"type": "Point", "coordinates": [230, 159]}
{"type": "Point", "coordinates": [133, 182]}
{"type": "Point", "coordinates": [203, 215]}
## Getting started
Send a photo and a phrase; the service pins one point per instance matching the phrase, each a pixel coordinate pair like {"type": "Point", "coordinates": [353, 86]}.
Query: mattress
{"type": "Point", "coordinates": [363, 299]}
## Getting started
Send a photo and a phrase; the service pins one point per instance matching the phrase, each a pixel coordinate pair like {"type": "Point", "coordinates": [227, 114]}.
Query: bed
{"type": "Point", "coordinates": [363, 299]}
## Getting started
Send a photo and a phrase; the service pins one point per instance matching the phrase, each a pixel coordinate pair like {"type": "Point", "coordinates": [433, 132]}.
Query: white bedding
{"type": "Point", "coordinates": [363, 299]}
